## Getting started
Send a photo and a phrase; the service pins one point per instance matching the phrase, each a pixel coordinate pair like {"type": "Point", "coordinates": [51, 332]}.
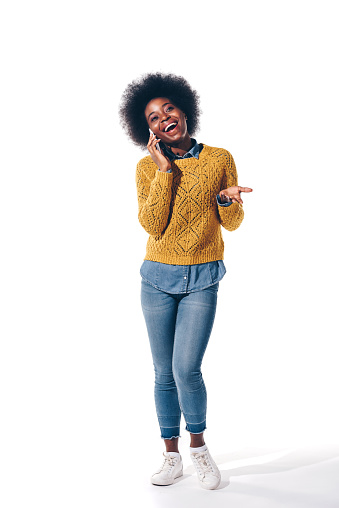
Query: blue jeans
{"type": "Point", "coordinates": [179, 327]}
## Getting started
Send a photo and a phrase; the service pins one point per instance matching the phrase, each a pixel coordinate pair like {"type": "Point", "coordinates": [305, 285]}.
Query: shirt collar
{"type": "Point", "coordinates": [193, 152]}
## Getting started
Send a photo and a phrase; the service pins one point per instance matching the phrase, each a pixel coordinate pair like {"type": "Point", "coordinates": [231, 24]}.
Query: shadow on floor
{"type": "Point", "coordinates": [252, 461]}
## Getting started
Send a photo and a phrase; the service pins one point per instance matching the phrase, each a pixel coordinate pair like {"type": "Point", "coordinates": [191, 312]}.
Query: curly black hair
{"type": "Point", "coordinates": [149, 86]}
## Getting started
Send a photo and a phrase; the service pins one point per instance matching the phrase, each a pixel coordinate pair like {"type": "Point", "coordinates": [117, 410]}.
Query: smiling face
{"type": "Point", "coordinates": [167, 121]}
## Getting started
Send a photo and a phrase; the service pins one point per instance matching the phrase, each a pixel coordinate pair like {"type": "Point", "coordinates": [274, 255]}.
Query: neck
{"type": "Point", "coordinates": [182, 147]}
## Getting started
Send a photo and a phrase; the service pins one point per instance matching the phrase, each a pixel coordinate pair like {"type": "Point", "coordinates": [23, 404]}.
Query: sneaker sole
{"type": "Point", "coordinates": [208, 487]}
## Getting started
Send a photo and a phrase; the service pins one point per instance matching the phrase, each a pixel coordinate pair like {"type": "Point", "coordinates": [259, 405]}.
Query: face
{"type": "Point", "coordinates": [166, 121]}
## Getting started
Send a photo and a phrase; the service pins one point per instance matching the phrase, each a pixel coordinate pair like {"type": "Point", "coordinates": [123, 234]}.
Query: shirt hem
{"type": "Point", "coordinates": [183, 292]}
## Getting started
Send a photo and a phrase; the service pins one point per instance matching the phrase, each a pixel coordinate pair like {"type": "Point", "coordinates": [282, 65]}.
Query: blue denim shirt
{"type": "Point", "coordinates": [193, 152]}
{"type": "Point", "coordinates": [176, 279]}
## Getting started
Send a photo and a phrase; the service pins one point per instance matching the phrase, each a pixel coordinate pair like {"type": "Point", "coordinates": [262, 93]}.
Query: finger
{"type": "Point", "coordinates": [238, 198]}
{"type": "Point", "coordinates": [245, 189]}
{"type": "Point", "coordinates": [155, 141]}
{"type": "Point", "coordinates": [151, 148]}
{"type": "Point", "coordinates": [155, 146]}
{"type": "Point", "coordinates": [151, 136]}
{"type": "Point", "coordinates": [150, 139]}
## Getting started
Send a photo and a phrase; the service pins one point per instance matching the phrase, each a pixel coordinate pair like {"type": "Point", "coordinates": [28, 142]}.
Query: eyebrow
{"type": "Point", "coordinates": [161, 106]}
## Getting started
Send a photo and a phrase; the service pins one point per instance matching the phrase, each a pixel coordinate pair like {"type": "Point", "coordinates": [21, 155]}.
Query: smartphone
{"type": "Point", "coordinates": [157, 145]}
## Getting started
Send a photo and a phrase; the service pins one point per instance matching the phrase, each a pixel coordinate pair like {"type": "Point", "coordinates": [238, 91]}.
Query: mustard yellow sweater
{"type": "Point", "coordinates": [179, 209]}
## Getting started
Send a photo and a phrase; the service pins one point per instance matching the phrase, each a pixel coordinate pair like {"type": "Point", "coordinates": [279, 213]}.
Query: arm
{"type": "Point", "coordinates": [230, 216]}
{"type": "Point", "coordinates": [154, 198]}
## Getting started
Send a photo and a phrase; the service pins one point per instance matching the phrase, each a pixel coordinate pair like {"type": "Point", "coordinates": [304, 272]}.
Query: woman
{"type": "Point", "coordinates": [186, 191]}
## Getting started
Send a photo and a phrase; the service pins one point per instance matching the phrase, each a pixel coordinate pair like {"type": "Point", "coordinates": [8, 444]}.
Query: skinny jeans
{"type": "Point", "coordinates": [179, 327]}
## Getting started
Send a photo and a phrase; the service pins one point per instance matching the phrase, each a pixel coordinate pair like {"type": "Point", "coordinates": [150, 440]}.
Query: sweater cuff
{"type": "Point", "coordinates": [222, 204]}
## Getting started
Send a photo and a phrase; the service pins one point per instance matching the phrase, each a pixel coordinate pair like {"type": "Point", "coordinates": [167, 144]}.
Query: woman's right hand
{"type": "Point", "coordinates": [163, 163]}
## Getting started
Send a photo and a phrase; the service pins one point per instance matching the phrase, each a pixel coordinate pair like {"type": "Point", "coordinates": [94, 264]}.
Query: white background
{"type": "Point", "coordinates": [76, 370]}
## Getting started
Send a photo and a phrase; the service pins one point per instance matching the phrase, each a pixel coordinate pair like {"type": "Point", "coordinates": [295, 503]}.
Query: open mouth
{"type": "Point", "coordinates": [170, 127]}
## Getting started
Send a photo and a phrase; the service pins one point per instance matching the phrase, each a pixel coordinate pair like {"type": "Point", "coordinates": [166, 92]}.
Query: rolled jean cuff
{"type": "Point", "coordinates": [169, 426]}
{"type": "Point", "coordinates": [196, 428]}
{"type": "Point", "coordinates": [170, 432]}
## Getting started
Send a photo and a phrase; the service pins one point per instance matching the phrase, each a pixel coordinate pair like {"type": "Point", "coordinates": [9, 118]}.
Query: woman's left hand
{"type": "Point", "coordinates": [233, 193]}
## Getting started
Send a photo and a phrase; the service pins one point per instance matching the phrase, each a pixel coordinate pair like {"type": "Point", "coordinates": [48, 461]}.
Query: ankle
{"type": "Point", "coordinates": [172, 445]}
{"type": "Point", "coordinates": [172, 449]}
{"type": "Point", "coordinates": [197, 443]}
{"type": "Point", "coordinates": [197, 440]}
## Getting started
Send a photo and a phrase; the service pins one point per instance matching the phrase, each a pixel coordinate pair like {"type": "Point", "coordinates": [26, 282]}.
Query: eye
{"type": "Point", "coordinates": [153, 118]}
{"type": "Point", "coordinates": [169, 108]}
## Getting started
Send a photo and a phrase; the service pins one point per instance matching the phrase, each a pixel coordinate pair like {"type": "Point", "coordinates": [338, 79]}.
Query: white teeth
{"type": "Point", "coordinates": [168, 126]}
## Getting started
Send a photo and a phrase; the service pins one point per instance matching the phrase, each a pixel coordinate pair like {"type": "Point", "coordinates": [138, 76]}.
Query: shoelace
{"type": "Point", "coordinates": [168, 463]}
{"type": "Point", "coordinates": [203, 463]}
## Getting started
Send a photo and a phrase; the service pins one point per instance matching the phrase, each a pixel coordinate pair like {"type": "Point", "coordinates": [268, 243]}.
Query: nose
{"type": "Point", "coordinates": [164, 117]}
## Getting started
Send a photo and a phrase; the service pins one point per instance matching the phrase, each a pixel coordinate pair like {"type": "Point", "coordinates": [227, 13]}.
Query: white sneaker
{"type": "Point", "coordinates": [208, 473]}
{"type": "Point", "coordinates": [169, 471]}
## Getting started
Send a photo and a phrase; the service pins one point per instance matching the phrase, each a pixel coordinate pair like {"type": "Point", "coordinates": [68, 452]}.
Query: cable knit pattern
{"type": "Point", "coordinates": [179, 209]}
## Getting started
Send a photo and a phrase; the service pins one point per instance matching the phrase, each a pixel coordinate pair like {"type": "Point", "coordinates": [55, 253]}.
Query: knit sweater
{"type": "Point", "coordinates": [179, 209]}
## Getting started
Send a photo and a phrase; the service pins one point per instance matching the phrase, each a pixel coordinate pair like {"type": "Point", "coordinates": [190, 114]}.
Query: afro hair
{"type": "Point", "coordinates": [149, 86]}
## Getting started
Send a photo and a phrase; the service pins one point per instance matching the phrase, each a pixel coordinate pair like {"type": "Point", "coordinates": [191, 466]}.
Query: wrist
{"type": "Point", "coordinates": [224, 198]}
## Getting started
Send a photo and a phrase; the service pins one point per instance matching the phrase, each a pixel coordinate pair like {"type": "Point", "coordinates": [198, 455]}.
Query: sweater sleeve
{"type": "Point", "coordinates": [154, 198]}
{"type": "Point", "coordinates": [230, 216]}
